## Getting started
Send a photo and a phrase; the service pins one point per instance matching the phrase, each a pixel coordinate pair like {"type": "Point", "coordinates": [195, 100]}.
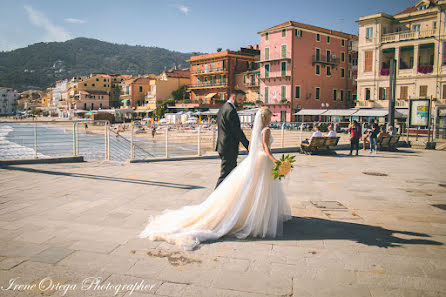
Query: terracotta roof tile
{"type": "Point", "coordinates": [311, 27]}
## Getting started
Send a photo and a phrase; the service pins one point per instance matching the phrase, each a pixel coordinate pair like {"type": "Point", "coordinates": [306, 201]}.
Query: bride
{"type": "Point", "coordinates": [249, 202]}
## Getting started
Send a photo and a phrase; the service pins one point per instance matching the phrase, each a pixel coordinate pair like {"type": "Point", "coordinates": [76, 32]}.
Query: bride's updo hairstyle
{"type": "Point", "coordinates": [266, 114]}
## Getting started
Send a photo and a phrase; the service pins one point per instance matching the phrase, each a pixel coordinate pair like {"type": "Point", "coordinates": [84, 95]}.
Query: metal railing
{"type": "Point", "coordinates": [98, 140]}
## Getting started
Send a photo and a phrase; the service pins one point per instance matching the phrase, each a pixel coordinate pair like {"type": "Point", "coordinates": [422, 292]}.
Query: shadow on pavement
{"type": "Point", "coordinates": [106, 178]}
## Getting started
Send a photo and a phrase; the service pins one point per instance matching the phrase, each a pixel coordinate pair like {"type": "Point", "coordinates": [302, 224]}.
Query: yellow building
{"type": "Point", "coordinates": [161, 88]}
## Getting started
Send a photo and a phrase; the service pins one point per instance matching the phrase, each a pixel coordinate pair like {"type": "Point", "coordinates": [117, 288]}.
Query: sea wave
{"type": "Point", "coordinates": [12, 150]}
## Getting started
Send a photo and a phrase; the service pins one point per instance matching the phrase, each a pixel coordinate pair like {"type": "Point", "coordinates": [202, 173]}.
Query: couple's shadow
{"type": "Point", "coordinates": [308, 228]}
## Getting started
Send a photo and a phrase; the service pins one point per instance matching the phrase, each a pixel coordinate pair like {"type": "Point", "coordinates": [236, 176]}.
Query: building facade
{"type": "Point", "coordinates": [92, 100]}
{"type": "Point", "coordinates": [416, 39]}
{"type": "Point", "coordinates": [8, 101]}
{"type": "Point", "coordinates": [305, 67]}
{"type": "Point", "coordinates": [213, 76]}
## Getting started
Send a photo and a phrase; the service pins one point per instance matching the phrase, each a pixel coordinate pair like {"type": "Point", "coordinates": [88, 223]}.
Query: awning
{"type": "Point", "coordinates": [143, 110]}
{"type": "Point", "coordinates": [402, 113]}
{"type": "Point", "coordinates": [248, 111]}
{"type": "Point", "coordinates": [376, 112]}
{"type": "Point", "coordinates": [340, 112]}
{"type": "Point", "coordinates": [210, 95]}
{"type": "Point", "coordinates": [388, 50]}
{"type": "Point", "coordinates": [311, 112]}
{"type": "Point", "coordinates": [429, 45]}
{"type": "Point", "coordinates": [406, 49]}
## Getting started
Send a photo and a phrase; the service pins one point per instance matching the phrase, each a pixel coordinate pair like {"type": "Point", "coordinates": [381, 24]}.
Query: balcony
{"type": "Point", "coordinates": [407, 35]}
{"type": "Point", "coordinates": [366, 103]}
{"type": "Point", "coordinates": [385, 71]}
{"type": "Point", "coordinates": [282, 76]}
{"type": "Point", "coordinates": [149, 96]}
{"type": "Point", "coordinates": [210, 71]}
{"type": "Point", "coordinates": [252, 84]}
{"type": "Point", "coordinates": [209, 85]}
{"type": "Point", "coordinates": [401, 103]}
{"type": "Point", "coordinates": [331, 60]}
{"type": "Point", "coordinates": [276, 60]}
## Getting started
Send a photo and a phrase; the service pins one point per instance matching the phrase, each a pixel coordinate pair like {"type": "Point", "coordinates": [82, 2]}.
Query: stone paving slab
{"type": "Point", "coordinates": [73, 222]}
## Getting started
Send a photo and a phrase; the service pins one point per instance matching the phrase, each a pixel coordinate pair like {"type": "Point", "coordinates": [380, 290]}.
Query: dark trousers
{"type": "Point", "coordinates": [354, 142]}
{"type": "Point", "coordinates": [227, 164]}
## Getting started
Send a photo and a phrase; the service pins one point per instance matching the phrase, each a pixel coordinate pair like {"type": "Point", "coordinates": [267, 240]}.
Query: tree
{"type": "Point", "coordinates": [180, 94]}
{"type": "Point", "coordinates": [163, 107]}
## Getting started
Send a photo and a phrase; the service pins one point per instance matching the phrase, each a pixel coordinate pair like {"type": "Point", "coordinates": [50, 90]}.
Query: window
{"type": "Point", "coordinates": [328, 39]}
{"type": "Point", "coordinates": [266, 70]}
{"type": "Point", "coordinates": [444, 91]}
{"type": "Point", "coordinates": [423, 91]}
{"type": "Point", "coordinates": [266, 36]}
{"type": "Point", "coordinates": [349, 95]}
{"type": "Point", "coordinates": [383, 93]}
{"type": "Point", "coordinates": [328, 56]}
{"type": "Point", "coordinates": [283, 50]}
{"type": "Point", "coordinates": [342, 95]}
{"type": "Point", "coordinates": [283, 33]}
{"type": "Point", "coordinates": [100, 105]}
{"type": "Point", "coordinates": [328, 70]}
{"type": "Point", "coordinates": [105, 85]}
{"type": "Point", "coordinates": [92, 85]}
{"type": "Point", "coordinates": [350, 58]}
{"type": "Point", "coordinates": [416, 28]}
{"type": "Point", "coordinates": [297, 95]}
{"type": "Point", "coordinates": [298, 33]}
{"type": "Point", "coordinates": [283, 68]}
{"type": "Point", "coordinates": [105, 80]}
{"type": "Point", "coordinates": [85, 85]}
{"type": "Point", "coordinates": [318, 54]}
{"type": "Point", "coordinates": [318, 37]}
{"type": "Point", "coordinates": [244, 79]}
{"type": "Point", "coordinates": [342, 57]}
{"type": "Point", "coordinates": [318, 93]}
{"type": "Point", "coordinates": [266, 53]}
{"type": "Point", "coordinates": [92, 105]}
{"type": "Point", "coordinates": [318, 69]}
{"type": "Point", "coordinates": [367, 94]}
{"type": "Point", "coordinates": [368, 61]}
{"type": "Point", "coordinates": [343, 42]}
{"type": "Point", "coordinates": [283, 92]}
{"type": "Point", "coordinates": [213, 66]}
{"type": "Point", "coordinates": [342, 72]}
{"type": "Point", "coordinates": [369, 33]}
{"type": "Point", "coordinates": [266, 94]}
{"type": "Point", "coordinates": [97, 79]}
{"type": "Point", "coordinates": [435, 25]}
{"type": "Point", "coordinates": [335, 94]}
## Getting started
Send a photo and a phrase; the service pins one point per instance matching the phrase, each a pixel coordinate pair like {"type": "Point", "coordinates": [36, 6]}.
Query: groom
{"type": "Point", "coordinates": [229, 133]}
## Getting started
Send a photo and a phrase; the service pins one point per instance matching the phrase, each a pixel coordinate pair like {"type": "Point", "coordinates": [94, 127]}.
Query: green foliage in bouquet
{"type": "Point", "coordinates": [283, 166]}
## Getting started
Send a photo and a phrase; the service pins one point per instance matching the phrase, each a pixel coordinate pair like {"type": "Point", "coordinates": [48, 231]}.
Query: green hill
{"type": "Point", "coordinates": [39, 65]}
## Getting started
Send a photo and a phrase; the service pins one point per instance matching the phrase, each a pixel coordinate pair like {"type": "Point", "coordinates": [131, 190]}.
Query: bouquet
{"type": "Point", "coordinates": [283, 166]}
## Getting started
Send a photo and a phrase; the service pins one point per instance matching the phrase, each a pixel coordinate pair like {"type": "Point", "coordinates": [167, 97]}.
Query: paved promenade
{"type": "Point", "coordinates": [373, 225]}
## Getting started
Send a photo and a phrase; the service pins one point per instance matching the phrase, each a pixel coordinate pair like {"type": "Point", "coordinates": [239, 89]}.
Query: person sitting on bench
{"type": "Point", "coordinates": [316, 133]}
{"type": "Point", "coordinates": [331, 132]}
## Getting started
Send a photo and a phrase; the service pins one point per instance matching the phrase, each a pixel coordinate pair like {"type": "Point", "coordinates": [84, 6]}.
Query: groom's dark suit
{"type": "Point", "coordinates": [229, 136]}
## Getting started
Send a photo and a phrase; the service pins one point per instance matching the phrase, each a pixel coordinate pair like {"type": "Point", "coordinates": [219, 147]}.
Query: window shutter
{"type": "Point", "coordinates": [368, 61]}
{"type": "Point", "coordinates": [423, 91]}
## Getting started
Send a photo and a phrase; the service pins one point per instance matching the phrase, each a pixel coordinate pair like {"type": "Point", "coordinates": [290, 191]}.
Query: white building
{"type": "Point", "coordinates": [8, 101]}
{"type": "Point", "coordinates": [416, 39]}
{"type": "Point", "coordinates": [60, 92]}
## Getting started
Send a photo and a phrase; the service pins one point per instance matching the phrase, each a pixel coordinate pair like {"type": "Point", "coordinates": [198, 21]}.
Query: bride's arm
{"type": "Point", "coordinates": [265, 141]}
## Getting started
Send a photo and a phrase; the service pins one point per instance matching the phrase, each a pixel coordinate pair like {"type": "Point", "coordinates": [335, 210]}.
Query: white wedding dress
{"type": "Point", "coordinates": [249, 202]}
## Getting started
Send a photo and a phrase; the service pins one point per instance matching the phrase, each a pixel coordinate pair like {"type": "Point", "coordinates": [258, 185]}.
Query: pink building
{"type": "Point", "coordinates": [305, 67]}
{"type": "Point", "coordinates": [91, 100]}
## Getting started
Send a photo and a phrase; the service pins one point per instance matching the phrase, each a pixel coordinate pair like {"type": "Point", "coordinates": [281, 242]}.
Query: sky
{"type": "Point", "coordinates": [179, 25]}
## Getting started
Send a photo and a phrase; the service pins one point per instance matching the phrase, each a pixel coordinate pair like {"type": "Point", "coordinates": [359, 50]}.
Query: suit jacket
{"type": "Point", "coordinates": [229, 132]}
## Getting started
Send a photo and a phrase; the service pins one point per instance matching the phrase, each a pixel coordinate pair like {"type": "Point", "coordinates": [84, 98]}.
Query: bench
{"type": "Point", "coordinates": [388, 142]}
{"type": "Point", "coordinates": [320, 145]}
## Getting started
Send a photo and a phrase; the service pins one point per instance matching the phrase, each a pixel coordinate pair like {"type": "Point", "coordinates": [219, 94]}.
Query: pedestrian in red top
{"type": "Point", "coordinates": [355, 135]}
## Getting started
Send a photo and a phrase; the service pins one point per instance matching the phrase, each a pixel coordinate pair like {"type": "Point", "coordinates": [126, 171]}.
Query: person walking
{"type": "Point", "coordinates": [374, 136]}
{"type": "Point", "coordinates": [355, 135]}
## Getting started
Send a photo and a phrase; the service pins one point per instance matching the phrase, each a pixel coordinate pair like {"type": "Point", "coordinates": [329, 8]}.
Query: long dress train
{"type": "Point", "coordinates": [249, 202]}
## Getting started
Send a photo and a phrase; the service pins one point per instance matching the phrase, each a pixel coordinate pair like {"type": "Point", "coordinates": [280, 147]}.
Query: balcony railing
{"type": "Point", "coordinates": [209, 71]}
{"type": "Point", "coordinates": [407, 35]}
{"type": "Point", "coordinates": [209, 84]}
{"type": "Point", "coordinates": [401, 103]}
{"type": "Point", "coordinates": [425, 69]}
{"type": "Point", "coordinates": [385, 71]}
{"type": "Point", "coordinates": [252, 84]}
{"type": "Point", "coordinates": [282, 75]}
{"type": "Point", "coordinates": [331, 60]}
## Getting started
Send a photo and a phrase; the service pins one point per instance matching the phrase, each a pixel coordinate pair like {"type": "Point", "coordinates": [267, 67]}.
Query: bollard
{"type": "Point", "coordinates": [105, 141]}
{"type": "Point", "coordinates": [132, 151]}
{"type": "Point", "coordinates": [74, 138]}
{"type": "Point", "coordinates": [199, 140]}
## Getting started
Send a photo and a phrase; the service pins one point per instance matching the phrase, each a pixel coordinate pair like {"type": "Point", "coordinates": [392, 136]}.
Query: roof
{"type": "Point", "coordinates": [340, 112]}
{"type": "Point", "coordinates": [415, 7]}
{"type": "Point", "coordinates": [310, 27]}
{"type": "Point", "coordinates": [221, 54]}
{"type": "Point", "coordinates": [311, 112]}
{"type": "Point", "coordinates": [178, 73]}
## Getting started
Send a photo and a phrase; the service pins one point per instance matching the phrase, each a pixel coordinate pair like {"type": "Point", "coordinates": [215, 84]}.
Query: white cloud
{"type": "Point", "coordinates": [184, 9]}
{"type": "Point", "coordinates": [53, 32]}
{"type": "Point", "coordinates": [74, 21]}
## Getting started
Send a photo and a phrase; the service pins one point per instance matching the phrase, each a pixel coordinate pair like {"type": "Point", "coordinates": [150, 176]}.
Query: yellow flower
{"type": "Point", "coordinates": [285, 168]}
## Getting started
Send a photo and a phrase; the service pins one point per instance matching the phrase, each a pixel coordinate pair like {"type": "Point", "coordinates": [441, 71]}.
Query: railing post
{"type": "Point", "coordinates": [108, 142]}
{"type": "Point", "coordinates": [77, 139]}
{"type": "Point", "coordinates": [132, 150]}
{"type": "Point", "coordinates": [199, 141]}
{"type": "Point", "coordinates": [167, 141]}
{"type": "Point", "coordinates": [74, 138]}
{"type": "Point", "coordinates": [283, 134]}
{"type": "Point", "coordinates": [213, 136]}
{"type": "Point", "coordinates": [300, 134]}
{"type": "Point", "coordinates": [35, 141]}
{"type": "Point", "coordinates": [105, 141]}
